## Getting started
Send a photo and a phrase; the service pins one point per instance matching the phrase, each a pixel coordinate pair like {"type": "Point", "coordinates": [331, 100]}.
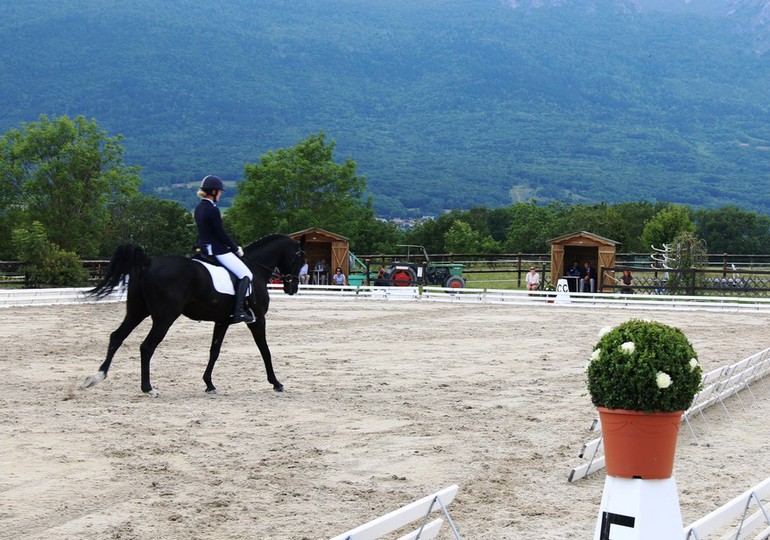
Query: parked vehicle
{"type": "Point", "coordinates": [417, 269]}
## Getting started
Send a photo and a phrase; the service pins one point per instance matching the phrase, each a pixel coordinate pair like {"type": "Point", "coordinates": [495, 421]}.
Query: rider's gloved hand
{"type": "Point", "coordinates": [239, 251]}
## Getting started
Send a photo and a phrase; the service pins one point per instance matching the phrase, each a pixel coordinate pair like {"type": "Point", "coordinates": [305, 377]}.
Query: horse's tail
{"type": "Point", "coordinates": [129, 260]}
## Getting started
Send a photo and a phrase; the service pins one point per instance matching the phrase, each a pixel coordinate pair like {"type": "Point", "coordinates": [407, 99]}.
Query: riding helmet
{"type": "Point", "coordinates": [210, 183]}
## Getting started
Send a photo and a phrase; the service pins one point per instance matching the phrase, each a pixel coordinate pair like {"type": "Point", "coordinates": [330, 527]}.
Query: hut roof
{"type": "Point", "coordinates": [317, 231]}
{"type": "Point", "coordinates": [582, 237]}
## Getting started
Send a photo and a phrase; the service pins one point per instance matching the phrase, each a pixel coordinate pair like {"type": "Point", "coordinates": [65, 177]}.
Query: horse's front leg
{"type": "Point", "coordinates": [259, 332]}
{"type": "Point", "coordinates": [220, 329]}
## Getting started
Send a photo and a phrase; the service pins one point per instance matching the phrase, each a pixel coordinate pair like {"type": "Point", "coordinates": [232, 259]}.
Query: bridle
{"type": "Point", "coordinates": [290, 279]}
{"type": "Point", "coordinates": [286, 279]}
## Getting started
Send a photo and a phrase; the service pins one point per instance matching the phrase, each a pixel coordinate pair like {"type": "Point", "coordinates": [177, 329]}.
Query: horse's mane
{"type": "Point", "coordinates": [266, 240]}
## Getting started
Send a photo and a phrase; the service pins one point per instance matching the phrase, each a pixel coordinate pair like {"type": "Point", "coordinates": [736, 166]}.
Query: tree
{"type": "Point", "coordinates": [689, 252]}
{"type": "Point", "coordinates": [373, 236]}
{"type": "Point", "coordinates": [431, 232]}
{"type": "Point", "coordinates": [64, 173]}
{"type": "Point", "coordinates": [530, 228]}
{"type": "Point", "coordinates": [461, 238]}
{"type": "Point", "coordinates": [667, 225]}
{"type": "Point", "coordinates": [298, 188]}
{"type": "Point", "coordinates": [732, 230]}
{"type": "Point", "coordinates": [634, 216]}
{"type": "Point", "coordinates": [601, 219]}
{"type": "Point", "coordinates": [161, 227]}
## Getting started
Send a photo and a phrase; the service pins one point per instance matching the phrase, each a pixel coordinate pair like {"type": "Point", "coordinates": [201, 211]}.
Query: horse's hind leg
{"type": "Point", "coordinates": [147, 348]}
{"type": "Point", "coordinates": [116, 340]}
{"type": "Point", "coordinates": [220, 329]}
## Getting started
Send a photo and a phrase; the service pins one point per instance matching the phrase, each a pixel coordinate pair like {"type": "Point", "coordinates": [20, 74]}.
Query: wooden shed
{"type": "Point", "coordinates": [322, 245]}
{"type": "Point", "coordinates": [582, 247]}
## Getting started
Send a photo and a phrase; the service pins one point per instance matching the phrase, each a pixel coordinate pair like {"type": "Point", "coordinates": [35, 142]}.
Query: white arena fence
{"type": "Point", "coordinates": [746, 516]}
{"type": "Point", "coordinates": [45, 297]}
{"type": "Point", "coordinates": [521, 297]}
{"type": "Point", "coordinates": [27, 297]}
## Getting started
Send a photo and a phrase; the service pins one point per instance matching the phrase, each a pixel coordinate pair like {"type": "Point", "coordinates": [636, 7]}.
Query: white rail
{"type": "Point", "coordinates": [519, 297]}
{"type": "Point", "coordinates": [45, 297]}
{"type": "Point", "coordinates": [28, 297]}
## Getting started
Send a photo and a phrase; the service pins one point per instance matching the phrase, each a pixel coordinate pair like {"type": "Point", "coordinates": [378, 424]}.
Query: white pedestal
{"type": "Point", "coordinates": [562, 292]}
{"type": "Point", "coordinates": [635, 509]}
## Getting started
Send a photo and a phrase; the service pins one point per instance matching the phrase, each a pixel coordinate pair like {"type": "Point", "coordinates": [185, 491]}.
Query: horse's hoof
{"type": "Point", "coordinates": [93, 380]}
{"type": "Point", "coordinates": [212, 392]}
{"type": "Point", "coordinates": [153, 393]}
{"type": "Point", "coordinates": [278, 388]}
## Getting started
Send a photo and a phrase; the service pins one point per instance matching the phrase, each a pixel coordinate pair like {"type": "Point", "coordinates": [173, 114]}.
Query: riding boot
{"type": "Point", "coordinates": [241, 312]}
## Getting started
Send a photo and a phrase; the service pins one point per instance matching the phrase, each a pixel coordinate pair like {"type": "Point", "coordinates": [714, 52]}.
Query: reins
{"type": "Point", "coordinates": [285, 277]}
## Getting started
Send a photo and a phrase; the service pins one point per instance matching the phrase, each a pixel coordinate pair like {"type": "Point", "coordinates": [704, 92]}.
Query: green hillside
{"type": "Point", "coordinates": [443, 105]}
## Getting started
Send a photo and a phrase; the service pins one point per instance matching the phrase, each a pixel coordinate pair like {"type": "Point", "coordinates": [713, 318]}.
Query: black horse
{"type": "Point", "coordinates": [166, 287]}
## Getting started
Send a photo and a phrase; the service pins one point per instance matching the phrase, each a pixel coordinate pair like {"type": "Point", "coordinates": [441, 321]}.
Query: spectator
{"type": "Point", "coordinates": [588, 278]}
{"type": "Point", "coordinates": [382, 277]}
{"type": "Point", "coordinates": [304, 277]}
{"type": "Point", "coordinates": [339, 278]}
{"type": "Point", "coordinates": [573, 277]}
{"type": "Point", "coordinates": [627, 282]}
{"type": "Point", "coordinates": [533, 279]}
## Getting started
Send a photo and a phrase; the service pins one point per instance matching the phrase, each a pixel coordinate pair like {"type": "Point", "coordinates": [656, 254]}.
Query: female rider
{"type": "Point", "coordinates": [213, 238]}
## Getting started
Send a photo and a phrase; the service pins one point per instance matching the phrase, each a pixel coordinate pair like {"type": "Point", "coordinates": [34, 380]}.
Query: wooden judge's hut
{"type": "Point", "coordinates": [322, 245]}
{"type": "Point", "coordinates": [582, 247]}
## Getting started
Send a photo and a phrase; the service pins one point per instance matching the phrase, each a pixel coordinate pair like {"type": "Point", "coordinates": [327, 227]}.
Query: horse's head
{"type": "Point", "coordinates": [281, 252]}
{"type": "Point", "coordinates": [290, 269]}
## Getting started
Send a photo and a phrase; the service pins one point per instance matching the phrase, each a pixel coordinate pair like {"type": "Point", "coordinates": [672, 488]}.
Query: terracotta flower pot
{"type": "Point", "coordinates": [639, 444]}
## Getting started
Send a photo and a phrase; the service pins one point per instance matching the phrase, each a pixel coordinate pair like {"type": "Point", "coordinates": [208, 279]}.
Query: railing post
{"type": "Point", "coordinates": [600, 279]}
{"type": "Point", "coordinates": [691, 282]}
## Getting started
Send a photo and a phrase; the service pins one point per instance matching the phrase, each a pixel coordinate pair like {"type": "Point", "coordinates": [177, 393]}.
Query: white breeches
{"type": "Point", "coordinates": [232, 262]}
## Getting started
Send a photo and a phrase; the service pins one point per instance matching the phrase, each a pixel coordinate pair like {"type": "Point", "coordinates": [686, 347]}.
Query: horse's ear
{"type": "Point", "coordinates": [302, 243]}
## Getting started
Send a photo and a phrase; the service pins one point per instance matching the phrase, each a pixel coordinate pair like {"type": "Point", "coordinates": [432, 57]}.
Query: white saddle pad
{"type": "Point", "coordinates": [223, 283]}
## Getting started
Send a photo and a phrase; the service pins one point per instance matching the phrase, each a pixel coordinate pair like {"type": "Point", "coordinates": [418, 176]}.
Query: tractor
{"type": "Point", "coordinates": [410, 272]}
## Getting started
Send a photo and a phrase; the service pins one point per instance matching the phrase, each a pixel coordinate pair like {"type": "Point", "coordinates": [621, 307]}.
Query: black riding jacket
{"type": "Point", "coordinates": [211, 231]}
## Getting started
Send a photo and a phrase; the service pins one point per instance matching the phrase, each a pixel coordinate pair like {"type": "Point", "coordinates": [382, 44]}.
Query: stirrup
{"type": "Point", "coordinates": [246, 316]}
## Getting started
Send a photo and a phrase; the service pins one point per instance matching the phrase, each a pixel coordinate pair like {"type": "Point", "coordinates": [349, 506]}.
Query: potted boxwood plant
{"type": "Point", "coordinates": [642, 376]}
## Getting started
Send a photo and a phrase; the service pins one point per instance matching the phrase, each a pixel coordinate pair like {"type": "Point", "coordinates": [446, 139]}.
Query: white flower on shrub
{"type": "Point", "coordinates": [663, 380]}
{"type": "Point", "coordinates": [693, 364]}
{"type": "Point", "coordinates": [595, 355]}
{"type": "Point", "coordinates": [628, 347]}
{"type": "Point", "coordinates": [604, 331]}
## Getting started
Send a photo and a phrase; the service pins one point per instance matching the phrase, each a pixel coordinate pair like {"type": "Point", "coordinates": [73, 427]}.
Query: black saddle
{"type": "Point", "coordinates": [200, 253]}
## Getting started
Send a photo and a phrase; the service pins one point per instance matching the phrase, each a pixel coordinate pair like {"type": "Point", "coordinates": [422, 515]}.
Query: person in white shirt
{"type": "Point", "coordinates": [304, 277]}
{"type": "Point", "coordinates": [339, 278]}
{"type": "Point", "coordinates": [533, 279]}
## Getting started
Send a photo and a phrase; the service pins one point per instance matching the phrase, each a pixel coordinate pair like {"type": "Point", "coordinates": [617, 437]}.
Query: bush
{"type": "Point", "coordinates": [43, 262]}
{"type": "Point", "coordinates": [643, 366]}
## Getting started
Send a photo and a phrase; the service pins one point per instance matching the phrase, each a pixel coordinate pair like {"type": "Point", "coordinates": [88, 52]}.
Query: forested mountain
{"type": "Point", "coordinates": [442, 103]}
